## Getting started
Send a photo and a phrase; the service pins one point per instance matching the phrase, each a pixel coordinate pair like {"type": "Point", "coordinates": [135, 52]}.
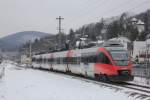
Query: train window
{"type": "Point", "coordinates": [40, 60]}
{"type": "Point", "coordinates": [119, 55]}
{"type": "Point", "coordinates": [44, 60]}
{"type": "Point", "coordinates": [51, 60]}
{"type": "Point", "coordinates": [106, 60]}
{"type": "Point", "coordinates": [64, 60]}
{"type": "Point", "coordinates": [73, 60]}
{"type": "Point", "coordinates": [93, 59]}
{"type": "Point", "coordinates": [61, 60]}
{"type": "Point", "coordinates": [78, 60]}
{"type": "Point", "coordinates": [55, 60]}
{"type": "Point", "coordinates": [84, 59]}
{"type": "Point", "coordinates": [89, 59]}
{"type": "Point", "coordinates": [33, 59]}
{"type": "Point", "coordinates": [58, 60]}
{"type": "Point", "coordinates": [37, 60]}
{"type": "Point", "coordinates": [102, 58]}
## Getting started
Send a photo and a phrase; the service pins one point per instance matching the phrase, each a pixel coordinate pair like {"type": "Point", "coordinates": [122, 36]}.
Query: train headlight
{"type": "Point", "coordinates": [123, 72]}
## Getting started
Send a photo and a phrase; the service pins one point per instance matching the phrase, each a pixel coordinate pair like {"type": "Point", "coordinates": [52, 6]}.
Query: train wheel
{"type": "Point", "coordinates": [51, 69]}
{"type": "Point", "coordinates": [96, 76]}
{"type": "Point", "coordinates": [68, 70]}
{"type": "Point", "coordinates": [86, 74]}
{"type": "Point", "coordinates": [104, 78]}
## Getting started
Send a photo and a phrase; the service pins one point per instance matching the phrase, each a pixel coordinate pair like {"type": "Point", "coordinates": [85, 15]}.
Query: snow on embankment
{"type": "Point", "coordinates": [28, 84]}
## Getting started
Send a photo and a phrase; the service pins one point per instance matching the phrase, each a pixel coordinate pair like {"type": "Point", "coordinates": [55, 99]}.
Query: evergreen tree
{"type": "Point", "coordinates": [72, 38]}
{"type": "Point", "coordinates": [132, 33]}
{"type": "Point", "coordinates": [113, 30]}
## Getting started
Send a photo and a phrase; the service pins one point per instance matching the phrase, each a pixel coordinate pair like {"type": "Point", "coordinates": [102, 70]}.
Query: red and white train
{"type": "Point", "coordinates": [110, 61]}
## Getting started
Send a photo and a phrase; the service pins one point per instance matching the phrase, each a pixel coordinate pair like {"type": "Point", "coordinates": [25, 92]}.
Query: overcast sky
{"type": "Point", "coordinates": [40, 15]}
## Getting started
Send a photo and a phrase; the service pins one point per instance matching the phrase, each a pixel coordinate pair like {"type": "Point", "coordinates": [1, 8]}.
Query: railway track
{"type": "Point", "coordinates": [142, 92]}
{"type": "Point", "coordinates": [139, 89]}
{"type": "Point", "coordinates": [145, 88]}
{"type": "Point", "coordinates": [132, 89]}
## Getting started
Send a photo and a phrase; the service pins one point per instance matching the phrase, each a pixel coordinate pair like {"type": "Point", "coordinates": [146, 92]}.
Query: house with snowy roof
{"type": "Point", "coordinates": [139, 24]}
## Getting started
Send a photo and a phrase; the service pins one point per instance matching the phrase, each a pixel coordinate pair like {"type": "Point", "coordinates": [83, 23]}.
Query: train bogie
{"type": "Point", "coordinates": [59, 67]}
{"type": "Point", "coordinates": [75, 69]}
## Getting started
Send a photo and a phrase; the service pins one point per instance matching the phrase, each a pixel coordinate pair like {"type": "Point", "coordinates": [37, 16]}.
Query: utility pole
{"type": "Point", "coordinates": [146, 23]}
{"type": "Point", "coordinates": [147, 47]}
{"type": "Point", "coordinates": [59, 19]}
{"type": "Point", "coordinates": [59, 29]}
{"type": "Point", "coordinates": [30, 53]}
{"type": "Point", "coordinates": [103, 31]}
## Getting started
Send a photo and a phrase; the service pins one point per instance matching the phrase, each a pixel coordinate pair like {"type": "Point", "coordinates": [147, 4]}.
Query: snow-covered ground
{"type": "Point", "coordinates": [28, 84]}
{"type": "Point", "coordinates": [141, 81]}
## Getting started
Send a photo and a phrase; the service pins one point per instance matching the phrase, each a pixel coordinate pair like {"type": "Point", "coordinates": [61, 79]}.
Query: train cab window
{"type": "Point", "coordinates": [40, 60]}
{"type": "Point", "coordinates": [44, 60]}
{"type": "Point", "coordinates": [102, 58]}
{"type": "Point", "coordinates": [51, 60]}
{"type": "Point", "coordinates": [89, 59]}
{"type": "Point", "coordinates": [33, 59]}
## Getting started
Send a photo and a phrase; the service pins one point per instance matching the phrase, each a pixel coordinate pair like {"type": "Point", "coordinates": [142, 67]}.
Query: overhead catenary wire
{"type": "Point", "coordinates": [137, 6]}
{"type": "Point", "coordinates": [87, 8]}
{"type": "Point", "coordinates": [107, 12]}
{"type": "Point", "coordinates": [87, 11]}
{"type": "Point", "coordinates": [115, 9]}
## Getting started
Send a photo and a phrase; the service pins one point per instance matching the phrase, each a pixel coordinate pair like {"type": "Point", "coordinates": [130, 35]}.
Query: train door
{"type": "Point", "coordinates": [103, 65]}
{"type": "Point", "coordinates": [87, 64]}
{"type": "Point", "coordinates": [73, 64]}
{"type": "Point", "coordinates": [84, 64]}
{"type": "Point", "coordinates": [2, 71]}
{"type": "Point", "coordinates": [51, 61]}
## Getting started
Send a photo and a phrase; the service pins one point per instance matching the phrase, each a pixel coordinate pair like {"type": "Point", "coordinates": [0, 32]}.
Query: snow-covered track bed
{"type": "Point", "coordinates": [144, 90]}
{"type": "Point", "coordinates": [29, 84]}
{"type": "Point", "coordinates": [132, 89]}
{"type": "Point", "coordinates": [138, 87]}
{"type": "Point", "coordinates": [139, 91]}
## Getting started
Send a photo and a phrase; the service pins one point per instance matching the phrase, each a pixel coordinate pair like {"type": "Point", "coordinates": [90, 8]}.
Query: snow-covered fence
{"type": "Point", "coordinates": [2, 71]}
{"type": "Point", "coordinates": [141, 72]}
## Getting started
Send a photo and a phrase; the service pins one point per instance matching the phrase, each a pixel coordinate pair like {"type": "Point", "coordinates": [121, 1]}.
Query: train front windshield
{"type": "Point", "coordinates": [120, 57]}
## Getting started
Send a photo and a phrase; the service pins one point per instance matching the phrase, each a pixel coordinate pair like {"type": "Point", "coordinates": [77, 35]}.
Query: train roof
{"type": "Point", "coordinates": [112, 43]}
{"type": "Point", "coordinates": [108, 45]}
